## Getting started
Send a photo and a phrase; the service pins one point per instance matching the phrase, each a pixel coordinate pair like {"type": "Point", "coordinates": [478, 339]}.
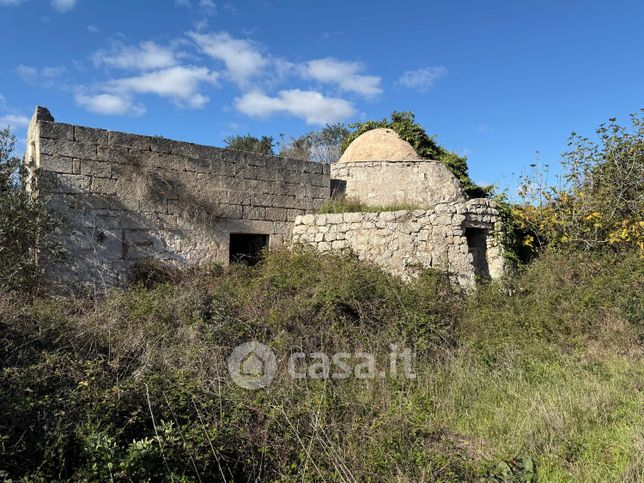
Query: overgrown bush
{"type": "Point", "coordinates": [538, 375]}
{"type": "Point", "coordinates": [26, 245]}
{"type": "Point", "coordinates": [599, 202]}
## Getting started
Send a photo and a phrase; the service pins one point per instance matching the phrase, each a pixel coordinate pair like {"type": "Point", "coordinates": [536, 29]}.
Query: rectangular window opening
{"type": "Point", "coordinates": [247, 248]}
{"type": "Point", "coordinates": [477, 246]}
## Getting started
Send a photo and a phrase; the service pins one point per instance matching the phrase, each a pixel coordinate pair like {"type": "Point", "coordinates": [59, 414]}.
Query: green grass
{"type": "Point", "coordinates": [348, 205]}
{"type": "Point", "coordinates": [541, 370]}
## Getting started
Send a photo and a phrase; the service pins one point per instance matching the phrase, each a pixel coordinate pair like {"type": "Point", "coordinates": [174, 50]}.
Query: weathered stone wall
{"type": "Point", "coordinates": [405, 242]}
{"type": "Point", "coordinates": [126, 196]}
{"type": "Point", "coordinates": [418, 183]}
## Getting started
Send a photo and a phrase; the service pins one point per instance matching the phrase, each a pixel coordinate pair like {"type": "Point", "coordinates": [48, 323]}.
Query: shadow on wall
{"type": "Point", "coordinates": [103, 240]}
{"type": "Point", "coordinates": [477, 247]}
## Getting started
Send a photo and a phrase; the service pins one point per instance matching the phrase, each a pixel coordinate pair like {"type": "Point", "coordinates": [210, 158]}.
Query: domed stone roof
{"type": "Point", "coordinates": [380, 144]}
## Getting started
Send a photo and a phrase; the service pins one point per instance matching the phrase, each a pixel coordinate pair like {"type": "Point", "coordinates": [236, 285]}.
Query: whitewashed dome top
{"type": "Point", "coordinates": [380, 144]}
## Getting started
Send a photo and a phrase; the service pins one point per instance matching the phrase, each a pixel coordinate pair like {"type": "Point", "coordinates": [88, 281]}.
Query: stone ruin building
{"type": "Point", "coordinates": [124, 197]}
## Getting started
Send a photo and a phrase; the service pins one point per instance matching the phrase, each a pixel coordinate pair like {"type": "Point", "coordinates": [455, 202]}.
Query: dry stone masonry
{"type": "Point", "coordinates": [125, 197]}
{"type": "Point", "coordinates": [453, 237]}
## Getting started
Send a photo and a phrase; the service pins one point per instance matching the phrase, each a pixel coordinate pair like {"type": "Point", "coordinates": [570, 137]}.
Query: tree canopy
{"type": "Point", "coordinates": [322, 146]}
{"type": "Point", "coordinates": [251, 144]}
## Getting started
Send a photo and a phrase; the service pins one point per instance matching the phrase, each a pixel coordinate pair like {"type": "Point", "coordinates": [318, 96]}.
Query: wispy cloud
{"type": "Point", "coordinates": [208, 7]}
{"type": "Point", "coordinates": [422, 79]}
{"type": "Point", "coordinates": [14, 121]}
{"type": "Point", "coordinates": [109, 104]}
{"type": "Point", "coordinates": [41, 76]}
{"type": "Point", "coordinates": [11, 3]}
{"type": "Point", "coordinates": [145, 56]}
{"type": "Point", "coordinates": [64, 5]}
{"type": "Point", "coordinates": [346, 75]}
{"type": "Point", "coordinates": [311, 106]}
{"type": "Point", "coordinates": [92, 28]}
{"type": "Point", "coordinates": [242, 58]}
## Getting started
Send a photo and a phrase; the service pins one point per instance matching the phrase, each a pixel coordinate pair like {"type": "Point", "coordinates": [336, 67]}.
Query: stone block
{"type": "Point", "coordinates": [196, 151]}
{"type": "Point", "coordinates": [330, 236]}
{"type": "Point", "coordinates": [254, 213]}
{"type": "Point", "coordinates": [352, 217]}
{"type": "Point", "coordinates": [104, 186]}
{"type": "Point", "coordinates": [253, 159]}
{"type": "Point", "coordinates": [68, 183]}
{"type": "Point", "coordinates": [162, 161]}
{"type": "Point", "coordinates": [162, 145]}
{"type": "Point", "coordinates": [195, 165]}
{"type": "Point", "coordinates": [234, 212]}
{"type": "Point", "coordinates": [73, 149]}
{"type": "Point", "coordinates": [131, 141]}
{"type": "Point", "coordinates": [118, 154]}
{"type": "Point", "coordinates": [90, 135]}
{"type": "Point", "coordinates": [339, 245]}
{"type": "Point", "coordinates": [276, 214]}
{"type": "Point", "coordinates": [57, 164]}
{"type": "Point", "coordinates": [55, 130]}
{"type": "Point", "coordinates": [101, 169]}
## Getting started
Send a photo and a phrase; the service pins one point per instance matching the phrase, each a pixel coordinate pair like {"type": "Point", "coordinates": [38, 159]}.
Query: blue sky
{"type": "Point", "coordinates": [496, 80]}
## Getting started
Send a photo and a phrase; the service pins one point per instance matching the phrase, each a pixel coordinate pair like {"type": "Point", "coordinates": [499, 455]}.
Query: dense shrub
{"type": "Point", "coordinates": [536, 375]}
{"type": "Point", "coordinates": [599, 202]}
{"type": "Point", "coordinates": [26, 244]}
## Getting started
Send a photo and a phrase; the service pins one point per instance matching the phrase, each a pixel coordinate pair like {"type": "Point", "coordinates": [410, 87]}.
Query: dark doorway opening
{"type": "Point", "coordinates": [247, 247]}
{"type": "Point", "coordinates": [477, 246]}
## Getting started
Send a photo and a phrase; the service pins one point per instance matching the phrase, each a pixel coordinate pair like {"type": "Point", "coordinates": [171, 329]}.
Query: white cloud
{"type": "Point", "coordinates": [311, 106]}
{"type": "Point", "coordinates": [181, 84]}
{"type": "Point", "coordinates": [44, 76]}
{"type": "Point", "coordinates": [208, 5]}
{"type": "Point", "coordinates": [422, 79]}
{"type": "Point", "coordinates": [14, 121]}
{"type": "Point", "coordinates": [146, 56]}
{"type": "Point", "coordinates": [3, 101]}
{"type": "Point", "coordinates": [109, 104]}
{"type": "Point", "coordinates": [92, 28]}
{"type": "Point", "coordinates": [64, 5]}
{"type": "Point", "coordinates": [27, 73]}
{"type": "Point", "coordinates": [52, 72]}
{"type": "Point", "coordinates": [241, 57]}
{"type": "Point", "coordinates": [343, 74]}
{"type": "Point", "coordinates": [11, 3]}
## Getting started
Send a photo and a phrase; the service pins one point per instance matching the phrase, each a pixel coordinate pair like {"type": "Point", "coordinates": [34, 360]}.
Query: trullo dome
{"type": "Point", "coordinates": [380, 144]}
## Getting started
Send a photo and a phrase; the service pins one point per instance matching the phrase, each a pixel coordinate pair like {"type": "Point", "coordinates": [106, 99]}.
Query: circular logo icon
{"type": "Point", "coordinates": [252, 365]}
